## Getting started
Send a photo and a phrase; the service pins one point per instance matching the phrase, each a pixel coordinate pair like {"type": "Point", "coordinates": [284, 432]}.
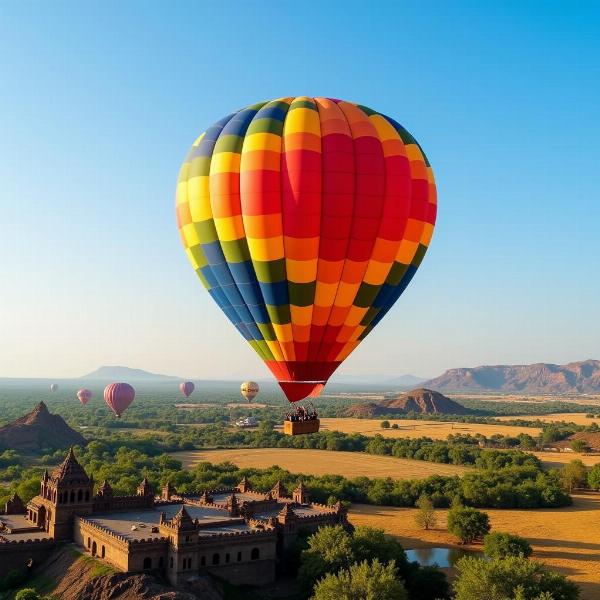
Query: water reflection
{"type": "Point", "coordinates": [442, 557]}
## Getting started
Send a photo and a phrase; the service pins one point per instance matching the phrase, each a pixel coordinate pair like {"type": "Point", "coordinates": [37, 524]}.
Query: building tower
{"type": "Point", "coordinates": [279, 490]}
{"type": "Point", "coordinates": [182, 557]}
{"type": "Point", "coordinates": [65, 492]}
{"type": "Point", "coordinates": [300, 495]}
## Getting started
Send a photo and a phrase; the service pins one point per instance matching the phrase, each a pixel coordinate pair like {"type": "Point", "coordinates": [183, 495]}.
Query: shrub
{"type": "Point", "coordinates": [385, 425]}
{"type": "Point", "coordinates": [425, 517]}
{"type": "Point", "coordinates": [468, 524]}
{"type": "Point", "coordinates": [501, 545]}
{"type": "Point", "coordinates": [362, 580]}
{"type": "Point", "coordinates": [514, 577]}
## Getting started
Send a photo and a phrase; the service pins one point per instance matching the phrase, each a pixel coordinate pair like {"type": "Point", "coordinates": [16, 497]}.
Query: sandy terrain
{"type": "Point", "coordinates": [322, 462]}
{"type": "Point", "coordinates": [413, 429]}
{"type": "Point", "coordinates": [566, 538]}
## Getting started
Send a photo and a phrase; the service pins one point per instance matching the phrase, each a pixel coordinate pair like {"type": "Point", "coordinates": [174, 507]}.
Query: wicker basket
{"type": "Point", "coordinates": [300, 427]}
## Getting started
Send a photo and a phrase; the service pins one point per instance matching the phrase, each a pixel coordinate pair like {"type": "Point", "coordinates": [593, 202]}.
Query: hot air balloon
{"type": "Point", "coordinates": [53, 387]}
{"type": "Point", "coordinates": [305, 219]}
{"type": "Point", "coordinates": [84, 395]}
{"type": "Point", "coordinates": [317, 391]}
{"type": "Point", "coordinates": [187, 387]}
{"type": "Point", "coordinates": [249, 389]}
{"type": "Point", "coordinates": [118, 396]}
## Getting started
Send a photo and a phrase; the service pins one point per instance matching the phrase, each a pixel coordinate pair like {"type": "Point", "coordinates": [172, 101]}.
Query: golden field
{"type": "Point", "coordinates": [551, 460]}
{"type": "Point", "coordinates": [564, 538]}
{"type": "Point", "coordinates": [437, 430]}
{"type": "Point", "coordinates": [321, 462]}
{"type": "Point", "coordinates": [577, 418]}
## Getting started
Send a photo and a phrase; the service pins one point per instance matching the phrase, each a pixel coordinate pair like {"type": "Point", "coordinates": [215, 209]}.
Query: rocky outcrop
{"type": "Point", "coordinates": [421, 400]}
{"type": "Point", "coordinates": [78, 577]}
{"type": "Point", "coordinates": [542, 378]}
{"type": "Point", "coordinates": [37, 430]}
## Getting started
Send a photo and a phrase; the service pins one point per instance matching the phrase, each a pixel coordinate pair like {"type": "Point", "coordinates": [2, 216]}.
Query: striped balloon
{"type": "Point", "coordinates": [305, 219]}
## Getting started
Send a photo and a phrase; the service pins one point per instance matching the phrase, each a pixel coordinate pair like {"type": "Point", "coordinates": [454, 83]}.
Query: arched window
{"type": "Point", "coordinates": [72, 499]}
{"type": "Point", "coordinates": [94, 549]}
{"type": "Point", "coordinates": [216, 559]}
{"type": "Point", "coordinates": [255, 554]}
{"type": "Point", "coordinates": [103, 552]}
{"type": "Point", "coordinates": [89, 542]}
{"type": "Point", "coordinates": [79, 495]}
{"type": "Point", "coordinates": [147, 563]}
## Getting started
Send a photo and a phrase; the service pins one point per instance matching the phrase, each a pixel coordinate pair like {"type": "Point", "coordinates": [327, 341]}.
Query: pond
{"type": "Point", "coordinates": [442, 557]}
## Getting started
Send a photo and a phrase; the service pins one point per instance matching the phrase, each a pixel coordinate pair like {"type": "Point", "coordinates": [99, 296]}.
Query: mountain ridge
{"type": "Point", "coordinates": [119, 372]}
{"type": "Point", "coordinates": [580, 377]}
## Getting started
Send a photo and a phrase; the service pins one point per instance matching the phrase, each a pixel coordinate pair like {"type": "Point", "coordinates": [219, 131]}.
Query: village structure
{"type": "Point", "coordinates": [236, 534]}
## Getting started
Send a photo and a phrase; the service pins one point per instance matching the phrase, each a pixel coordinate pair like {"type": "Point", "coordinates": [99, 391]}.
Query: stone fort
{"type": "Point", "coordinates": [236, 534]}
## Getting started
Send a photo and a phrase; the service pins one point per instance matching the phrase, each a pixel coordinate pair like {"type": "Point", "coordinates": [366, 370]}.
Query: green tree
{"type": "Point", "coordinates": [573, 475]}
{"type": "Point", "coordinates": [468, 524]}
{"type": "Point", "coordinates": [511, 578]}
{"type": "Point", "coordinates": [501, 545]}
{"type": "Point", "coordinates": [594, 477]}
{"type": "Point", "coordinates": [385, 425]}
{"type": "Point", "coordinates": [368, 543]}
{"type": "Point", "coordinates": [579, 446]}
{"type": "Point", "coordinates": [364, 581]}
{"type": "Point", "coordinates": [425, 517]}
{"type": "Point", "coordinates": [27, 594]}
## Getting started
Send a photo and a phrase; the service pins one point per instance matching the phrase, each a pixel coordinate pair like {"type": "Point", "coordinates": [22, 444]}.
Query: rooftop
{"type": "Point", "coordinates": [120, 523]}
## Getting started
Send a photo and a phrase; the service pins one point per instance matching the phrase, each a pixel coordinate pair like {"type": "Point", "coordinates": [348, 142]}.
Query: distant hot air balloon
{"type": "Point", "coordinates": [187, 387]}
{"type": "Point", "coordinates": [118, 396]}
{"type": "Point", "coordinates": [84, 395]}
{"type": "Point", "coordinates": [249, 390]}
{"type": "Point", "coordinates": [305, 219]}
{"type": "Point", "coordinates": [53, 387]}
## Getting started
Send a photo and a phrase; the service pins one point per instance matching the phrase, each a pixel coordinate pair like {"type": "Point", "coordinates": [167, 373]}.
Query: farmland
{"type": "Point", "coordinates": [407, 428]}
{"type": "Point", "coordinates": [322, 462]}
{"type": "Point", "coordinates": [566, 539]}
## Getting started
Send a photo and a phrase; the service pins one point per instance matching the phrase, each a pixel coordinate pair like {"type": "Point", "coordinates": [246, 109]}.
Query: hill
{"type": "Point", "coordinates": [421, 400]}
{"type": "Point", "coordinates": [542, 378]}
{"type": "Point", "coordinates": [119, 373]}
{"type": "Point", "coordinates": [37, 430]}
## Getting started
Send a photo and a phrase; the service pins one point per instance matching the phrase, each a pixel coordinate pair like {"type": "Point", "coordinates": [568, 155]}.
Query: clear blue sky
{"type": "Point", "coordinates": [99, 103]}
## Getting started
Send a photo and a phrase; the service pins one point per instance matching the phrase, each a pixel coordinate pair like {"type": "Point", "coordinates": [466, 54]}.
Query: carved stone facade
{"type": "Point", "coordinates": [236, 534]}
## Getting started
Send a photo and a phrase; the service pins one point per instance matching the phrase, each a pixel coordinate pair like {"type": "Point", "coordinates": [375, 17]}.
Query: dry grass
{"type": "Point", "coordinates": [577, 418]}
{"type": "Point", "coordinates": [414, 429]}
{"type": "Point", "coordinates": [322, 462]}
{"type": "Point", "coordinates": [558, 459]}
{"type": "Point", "coordinates": [566, 539]}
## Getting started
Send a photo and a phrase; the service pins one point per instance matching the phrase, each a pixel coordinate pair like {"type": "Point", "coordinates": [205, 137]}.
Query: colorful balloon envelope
{"type": "Point", "coordinates": [84, 396]}
{"type": "Point", "coordinates": [305, 219]}
{"type": "Point", "coordinates": [249, 389]}
{"type": "Point", "coordinates": [119, 397]}
{"type": "Point", "coordinates": [187, 387]}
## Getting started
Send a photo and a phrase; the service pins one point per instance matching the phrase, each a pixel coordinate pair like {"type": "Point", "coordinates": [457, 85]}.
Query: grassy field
{"type": "Point", "coordinates": [414, 429]}
{"type": "Point", "coordinates": [558, 459]}
{"type": "Point", "coordinates": [577, 418]}
{"type": "Point", "coordinates": [322, 462]}
{"type": "Point", "coordinates": [566, 538]}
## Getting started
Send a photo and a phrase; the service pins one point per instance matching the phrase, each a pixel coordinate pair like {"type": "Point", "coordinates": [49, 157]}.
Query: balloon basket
{"type": "Point", "coordinates": [300, 427]}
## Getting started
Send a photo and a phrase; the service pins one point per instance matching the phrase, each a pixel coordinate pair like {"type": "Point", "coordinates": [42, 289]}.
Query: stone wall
{"type": "Point", "coordinates": [20, 555]}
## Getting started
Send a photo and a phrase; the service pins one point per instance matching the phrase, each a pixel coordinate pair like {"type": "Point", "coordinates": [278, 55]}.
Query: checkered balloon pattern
{"type": "Point", "coordinates": [305, 219]}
